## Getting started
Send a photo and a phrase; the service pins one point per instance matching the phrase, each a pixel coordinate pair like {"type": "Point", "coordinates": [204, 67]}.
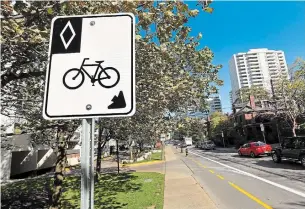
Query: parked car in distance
{"type": "Point", "coordinates": [292, 148]}
{"type": "Point", "coordinates": [255, 149]}
{"type": "Point", "coordinates": [208, 145]}
{"type": "Point", "coordinates": [198, 145]}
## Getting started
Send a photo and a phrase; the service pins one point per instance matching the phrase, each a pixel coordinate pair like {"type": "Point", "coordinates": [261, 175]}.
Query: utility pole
{"type": "Point", "coordinates": [275, 105]}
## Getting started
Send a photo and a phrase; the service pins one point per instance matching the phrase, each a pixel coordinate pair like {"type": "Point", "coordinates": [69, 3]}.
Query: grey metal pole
{"type": "Point", "coordinates": [87, 170]}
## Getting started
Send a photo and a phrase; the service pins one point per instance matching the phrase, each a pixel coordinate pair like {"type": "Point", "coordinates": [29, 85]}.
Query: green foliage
{"type": "Point", "coordinates": [171, 71]}
{"type": "Point", "coordinates": [292, 94]}
{"type": "Point", "coordinates": [219, 122]}
{"type": "Point", "coordinates": [191, 127]}
{"type": "Point", "coordinates": [258, 92]}
{"type": "Point", "coordinates": [17, 131]}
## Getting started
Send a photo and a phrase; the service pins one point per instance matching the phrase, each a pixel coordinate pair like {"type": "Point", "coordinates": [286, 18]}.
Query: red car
{"type": "Point", "coordinates": [255, 149]}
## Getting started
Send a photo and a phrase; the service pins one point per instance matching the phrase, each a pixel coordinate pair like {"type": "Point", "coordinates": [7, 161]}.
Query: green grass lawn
{"type": "Point", "coordinates": [154, 157]}
{"type": "Point", "coordinates": [127, 190]}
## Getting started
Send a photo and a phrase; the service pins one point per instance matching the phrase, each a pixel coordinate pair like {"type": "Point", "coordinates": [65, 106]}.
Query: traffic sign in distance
{"type": "Point", "coordinates": [91, 71]}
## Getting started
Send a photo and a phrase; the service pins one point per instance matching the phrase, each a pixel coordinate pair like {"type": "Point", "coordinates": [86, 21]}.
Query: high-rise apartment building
{"type": "Point", "coordinates": [256, 68]}
{"type": "Point", "coordinates": [214, 103]}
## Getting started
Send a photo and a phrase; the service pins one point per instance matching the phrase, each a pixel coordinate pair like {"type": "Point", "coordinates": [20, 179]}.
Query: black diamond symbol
{"type": "Point", "coordinates": [67, 34]}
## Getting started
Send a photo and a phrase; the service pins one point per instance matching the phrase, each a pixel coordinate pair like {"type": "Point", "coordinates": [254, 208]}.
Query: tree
{"type": "Point", "coordinates": [292, 93]}
{"type": "Point", "coordinates": [172, 71]}
{"type": "Point", "coordinates": [259, 92]}
{"type": "Point", "coordinates": [191, 127]}
{"type": "Point", "coordinates": [219, 122]}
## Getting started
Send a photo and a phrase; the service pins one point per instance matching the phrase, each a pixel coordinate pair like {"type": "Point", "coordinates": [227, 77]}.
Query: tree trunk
{"type": "Point", "coordinates": [100, 146]}
{"type": "Point", "coordinates": [141, 146]}
{"type": "Point", "coordinates": [59, 171]}
{"type": "Point", "coordinates": [130, 149]}
{"type": "Point", "coordinates": [294, 126]}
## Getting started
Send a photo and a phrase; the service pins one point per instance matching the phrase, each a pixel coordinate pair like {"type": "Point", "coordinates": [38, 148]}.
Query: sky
{"type": "Point", "coordinates": [235, 27]}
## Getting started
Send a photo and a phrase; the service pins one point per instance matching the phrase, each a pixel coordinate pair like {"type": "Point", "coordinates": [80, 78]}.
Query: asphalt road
{"type": "Point", "coordinates": [235, 182]}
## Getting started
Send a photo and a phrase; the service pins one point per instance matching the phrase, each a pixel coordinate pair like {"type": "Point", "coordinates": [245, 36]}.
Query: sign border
{"type": "Point", "coordinates": [133, 99]}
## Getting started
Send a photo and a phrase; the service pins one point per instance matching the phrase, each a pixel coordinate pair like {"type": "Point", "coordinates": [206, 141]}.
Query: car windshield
{"type": "Point", "coordinates": [210, 143]}
{"type": "Point", "coordinates": [259, 144]}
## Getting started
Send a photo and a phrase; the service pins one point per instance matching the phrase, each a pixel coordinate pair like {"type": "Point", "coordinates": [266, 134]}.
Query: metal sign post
{"type": "Point", "coordinates": [87, 171]}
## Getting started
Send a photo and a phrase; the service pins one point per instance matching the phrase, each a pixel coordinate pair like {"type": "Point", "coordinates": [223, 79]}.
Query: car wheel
{"type": "Point", "coordinates": [252, 154]}
{"type": "Point", "coordinates": [276, 157]}
{"type": "Point", "coordinates": [303, 160]}
{"type": "Point", "coordinates": [239, 153]}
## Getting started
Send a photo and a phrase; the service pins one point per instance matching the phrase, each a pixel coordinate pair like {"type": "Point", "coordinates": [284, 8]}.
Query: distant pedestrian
{"type": "Point", "coordinates": [186, 152]}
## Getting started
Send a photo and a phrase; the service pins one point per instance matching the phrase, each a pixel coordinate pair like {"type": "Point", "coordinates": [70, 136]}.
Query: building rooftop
{"type": "Point", "coordinates": [257, 50]}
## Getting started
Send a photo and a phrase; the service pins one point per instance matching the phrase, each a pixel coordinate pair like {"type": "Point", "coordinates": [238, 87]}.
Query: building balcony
{"type": "Point", "coordinates": [253, 63]}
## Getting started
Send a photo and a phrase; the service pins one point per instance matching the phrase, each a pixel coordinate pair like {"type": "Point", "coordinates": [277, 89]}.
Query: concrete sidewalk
{"type": "Point", "coordinates": [181, 190]}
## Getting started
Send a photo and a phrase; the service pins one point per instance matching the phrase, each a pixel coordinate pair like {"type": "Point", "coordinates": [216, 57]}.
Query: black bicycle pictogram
{"type": "Point", "coordinates": [110, 72]}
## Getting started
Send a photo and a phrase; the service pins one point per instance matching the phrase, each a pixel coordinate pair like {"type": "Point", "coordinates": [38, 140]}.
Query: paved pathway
{"type": "Point", "coordinates": [181, 190]}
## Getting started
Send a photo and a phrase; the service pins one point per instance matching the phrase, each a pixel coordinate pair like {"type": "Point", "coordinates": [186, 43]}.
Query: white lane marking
{"type": "Point", "coordinates": [256, 177]}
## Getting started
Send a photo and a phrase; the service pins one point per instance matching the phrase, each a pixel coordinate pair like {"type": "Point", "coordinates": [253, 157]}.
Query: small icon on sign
{"type": "Point", "coordinates": [67, 33]}
{"type": "Point", "coordinates": [118, 102]}
{"type": "Point", "coordinates": [75, 77]}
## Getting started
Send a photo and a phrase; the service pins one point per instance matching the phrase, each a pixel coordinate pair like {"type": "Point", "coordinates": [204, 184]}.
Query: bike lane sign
{"type": "Point", "coordinates": [91, 69]}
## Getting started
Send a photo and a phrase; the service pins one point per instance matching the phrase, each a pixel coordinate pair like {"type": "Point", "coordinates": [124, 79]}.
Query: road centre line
{"type": "Point", "coordinates": [256, 177]}
{"type": "Point", "coordinates": [211, 171]}
{"type": "Point", "coordinates": [198, 163]}
{"type": "Point", "coordinates": [221, 177]}
{"type": "Point", "coordinates": [250, 196]}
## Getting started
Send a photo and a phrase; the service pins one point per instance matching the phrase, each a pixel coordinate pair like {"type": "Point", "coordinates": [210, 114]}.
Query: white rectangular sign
{"type": "Point", "coordinates": [91, 71]}
{"type": "Point", "coordinates": [262, 127]}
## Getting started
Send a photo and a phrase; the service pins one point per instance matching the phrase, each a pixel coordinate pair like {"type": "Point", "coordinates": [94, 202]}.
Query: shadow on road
{"type": "Point", "coordinates": [286, 205]}
{"type": "Point", "coordinates": [285, 164]}
{"type": "Point", "coordinates": [217, 150]}
{"type": "Point", "coordinates": [248, 156]}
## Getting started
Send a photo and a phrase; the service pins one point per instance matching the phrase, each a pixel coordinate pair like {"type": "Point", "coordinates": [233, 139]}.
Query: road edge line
{"type": "Point", "coordinates": [256, 177]}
